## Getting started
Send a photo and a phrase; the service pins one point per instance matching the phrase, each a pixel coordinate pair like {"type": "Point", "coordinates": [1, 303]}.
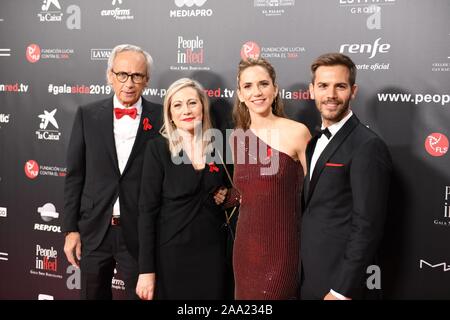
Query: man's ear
{"type": "Point", "coordinates": [354, 91]}
{"type": "Point", "coordinates": [110, 74]}
{"type": "Point", "coordinates": [311, 90]}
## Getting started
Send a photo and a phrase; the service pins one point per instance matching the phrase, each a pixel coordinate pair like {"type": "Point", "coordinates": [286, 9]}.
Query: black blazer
{"type": "Point", "coordinates": [171, 197]}
{"type": "Point", "coordinates": [344, 210]}
{"type": "Point", "coordinates": [93, 180]}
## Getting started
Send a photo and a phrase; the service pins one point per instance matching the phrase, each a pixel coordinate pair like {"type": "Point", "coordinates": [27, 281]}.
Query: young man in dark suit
{"type": "Point", "coordinates": [346, 190]}
{"type": "Point", "coordinates": [104, 164]}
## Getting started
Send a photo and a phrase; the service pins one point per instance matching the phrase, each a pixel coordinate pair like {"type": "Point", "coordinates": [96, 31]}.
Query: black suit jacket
{"type": "Point", "coordinates": [93, 180]}
{"type": "Point", "coordinates": [344, 210]}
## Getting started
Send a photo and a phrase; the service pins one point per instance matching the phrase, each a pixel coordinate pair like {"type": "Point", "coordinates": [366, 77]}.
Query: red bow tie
{"type": "Point", "coordinates": [120, 112]}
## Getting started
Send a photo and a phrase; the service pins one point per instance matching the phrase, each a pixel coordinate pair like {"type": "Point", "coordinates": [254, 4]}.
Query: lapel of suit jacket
{"type": "Point", "coordinates": [211, 166]}
{"type": "Point", "coordinates": [309, 152]}
{"type": "Point", "coordinates": [330, 149]}
{"type": "Point", "coordinates": [105, 124]}
{"type": "Point", "coordinates": [141, 135]}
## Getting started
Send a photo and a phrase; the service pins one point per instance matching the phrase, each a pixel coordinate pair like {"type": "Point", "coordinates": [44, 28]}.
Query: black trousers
{"type": "Point", "coordinates": [306, 292]}
{"type": "Point", "coordinates": [97, 268]}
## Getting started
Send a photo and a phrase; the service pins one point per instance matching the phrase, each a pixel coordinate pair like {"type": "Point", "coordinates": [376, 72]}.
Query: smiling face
{"type": "Point", "coordinates": [257, 90]}
{"type": "Point", "coordinates": [186, 109]}
{"type": "Point", "coordinates": [129, 62]}
{"type": "Point", "coordinates": [332, 92]}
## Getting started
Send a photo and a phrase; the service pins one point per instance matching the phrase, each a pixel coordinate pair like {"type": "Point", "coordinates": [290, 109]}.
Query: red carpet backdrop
{"type": "Point", "coordinates": [53, 56]}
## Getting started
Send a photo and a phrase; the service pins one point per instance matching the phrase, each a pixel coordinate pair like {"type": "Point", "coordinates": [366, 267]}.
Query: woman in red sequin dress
{"type": "Point", "coordinates": [269, 159]}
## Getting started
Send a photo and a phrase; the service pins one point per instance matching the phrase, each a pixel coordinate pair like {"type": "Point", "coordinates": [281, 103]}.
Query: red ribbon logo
{"type": "Point", "coordinates": [213, 167]}
{"type": "Point", "coordinates": [147, 124]}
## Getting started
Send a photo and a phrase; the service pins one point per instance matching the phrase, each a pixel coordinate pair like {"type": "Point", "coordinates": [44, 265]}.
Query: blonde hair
{"type": "Point", "coordinates": [169, 130]}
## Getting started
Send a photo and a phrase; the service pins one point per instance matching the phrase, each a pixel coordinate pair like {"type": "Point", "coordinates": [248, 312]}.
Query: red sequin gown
{"type": "Point", "coordinates": [266, 249]}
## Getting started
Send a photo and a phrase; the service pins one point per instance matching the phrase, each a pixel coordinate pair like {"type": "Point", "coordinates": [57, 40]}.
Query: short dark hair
{"type": "Point", "coordinates": [334, 59]}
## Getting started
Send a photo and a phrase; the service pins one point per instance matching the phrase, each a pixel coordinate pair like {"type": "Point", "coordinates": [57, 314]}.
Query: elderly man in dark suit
{"type": "Point", "coordinates": [345, 192]}
{"type": "Point", "coordinates": [104, 164]}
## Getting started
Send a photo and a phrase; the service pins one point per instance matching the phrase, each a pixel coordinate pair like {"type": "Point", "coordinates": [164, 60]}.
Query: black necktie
{"type": "Point", "coordinates": [325, 131]}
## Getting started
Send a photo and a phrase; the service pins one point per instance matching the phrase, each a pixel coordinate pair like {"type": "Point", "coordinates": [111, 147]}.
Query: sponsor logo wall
{"type": "Point", "coordinates": [3, 256]}
{"type": "Point", "coordinates": [51, 11]}
{"type": "Point", "coordinates": [117, 11]}
{"type": "Point", "coordinates": [5, 52]}
{"type": "Point", "coordinates": [442, 266]}
{"type": "Point", "coordinates": [273, 8]}
{"type": "Point", "coordinates": [436, 144]}
{"type": "Point", "coordinates": [189, 8]}
{"type": "Point", "coordinates": [53, 58]}
{"type": "Point", "coordinates": [45, 132]}
{"type": "Point", "coordinates": [47, 213]}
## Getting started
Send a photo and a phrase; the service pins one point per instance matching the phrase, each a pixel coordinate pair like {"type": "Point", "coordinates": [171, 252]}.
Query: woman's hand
{"type": "Point", "coordinates": [220, 195]}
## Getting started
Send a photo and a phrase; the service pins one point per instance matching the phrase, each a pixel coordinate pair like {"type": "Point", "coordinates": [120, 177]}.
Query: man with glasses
{"type": "Point", "coordinates": [104, 163]}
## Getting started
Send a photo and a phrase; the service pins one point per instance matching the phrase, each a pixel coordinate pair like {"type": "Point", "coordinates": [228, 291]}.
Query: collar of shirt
{"type": "Point", "coordinates": [323, 141]}
{"type": "Point", "coordinates": [137, 105]}
{"type": "Point", "coordinates": [334, 128]}
{"type": "Point", "coordinates": [125, 131]}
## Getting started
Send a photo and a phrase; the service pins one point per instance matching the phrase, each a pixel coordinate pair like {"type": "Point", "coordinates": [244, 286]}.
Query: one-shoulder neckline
{"type": "Point", "coordinates": [279, 151]}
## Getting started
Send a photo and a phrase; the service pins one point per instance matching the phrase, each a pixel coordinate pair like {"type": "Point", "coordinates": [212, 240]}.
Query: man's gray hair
{"type": "Point", "coordinates": [129, 47]}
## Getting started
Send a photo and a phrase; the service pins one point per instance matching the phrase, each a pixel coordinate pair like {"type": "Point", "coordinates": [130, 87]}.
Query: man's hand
{"type": "Point", "coordinates": [220, 195]}
{"type": "Point", "coordinates": [72, 248]}
{"type": "Point", "coordinates": [329, 296]}
{"type": "Point", "coordinates": [146, 286]}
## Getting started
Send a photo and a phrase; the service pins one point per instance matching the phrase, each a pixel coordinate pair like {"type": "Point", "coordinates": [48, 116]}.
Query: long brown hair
{"type": "Point", "coordinates": [241, 115]}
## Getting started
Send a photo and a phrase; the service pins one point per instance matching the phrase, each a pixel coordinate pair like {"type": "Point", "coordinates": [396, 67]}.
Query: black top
{"type": "Point", "coordinates": [180, 227]}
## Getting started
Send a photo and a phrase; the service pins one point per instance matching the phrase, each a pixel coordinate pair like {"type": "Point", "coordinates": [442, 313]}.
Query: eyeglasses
{"type": "Point", "coordinates": [135, 77]}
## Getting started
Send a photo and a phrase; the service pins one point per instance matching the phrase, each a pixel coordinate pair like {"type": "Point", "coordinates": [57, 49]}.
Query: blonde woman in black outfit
{"type": "Point", "coordinates": [182, 244]}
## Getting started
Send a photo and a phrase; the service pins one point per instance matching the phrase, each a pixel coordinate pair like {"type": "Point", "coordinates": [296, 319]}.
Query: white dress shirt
{"type": "Point", "coordinates": [125, 131]}
{"type": "Point", "coordinates": [323, 141]}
